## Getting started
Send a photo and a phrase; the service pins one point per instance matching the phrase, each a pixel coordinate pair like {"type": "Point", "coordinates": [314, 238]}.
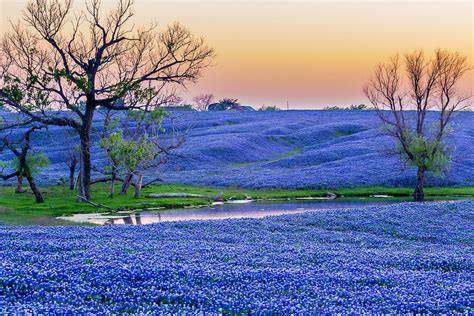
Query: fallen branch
{"type": "Point", "coordinates": [151, 182]}
{"type": "Point", "coordinates": [94, 204]}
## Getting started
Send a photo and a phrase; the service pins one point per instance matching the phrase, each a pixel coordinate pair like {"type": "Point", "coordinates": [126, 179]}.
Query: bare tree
{"type": "Point", "coordinates": [404, 103]}
{"type": "Point", "coordinates": [60, 78]}
{"type": "Point", "coordinates": [202, 101]}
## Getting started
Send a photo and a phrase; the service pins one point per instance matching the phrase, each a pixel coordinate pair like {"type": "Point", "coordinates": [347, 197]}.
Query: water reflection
{"type": "Point", "coordinates": [224, 211]}
{"type": "Point", "coordinates": [132, 219]}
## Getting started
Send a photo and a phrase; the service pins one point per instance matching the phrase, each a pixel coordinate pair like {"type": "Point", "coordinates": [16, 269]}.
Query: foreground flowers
{"type": "Point", "coordinates": [400, 258]}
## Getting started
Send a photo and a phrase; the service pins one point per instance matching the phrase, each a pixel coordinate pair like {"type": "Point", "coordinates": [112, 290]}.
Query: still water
{"type": "Point", "coordinates": [224, 211]}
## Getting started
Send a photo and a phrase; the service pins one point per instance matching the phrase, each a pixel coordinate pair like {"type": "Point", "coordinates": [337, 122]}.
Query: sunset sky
{"type": "Point", "coordinates": [309, 53]}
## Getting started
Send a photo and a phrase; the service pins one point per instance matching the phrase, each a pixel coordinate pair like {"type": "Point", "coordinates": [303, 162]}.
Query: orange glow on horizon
{"type": "Point", "coordinates": [310, 53]}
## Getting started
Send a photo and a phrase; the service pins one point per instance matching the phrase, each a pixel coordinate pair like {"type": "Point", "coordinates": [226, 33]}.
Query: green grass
{"type": "Point", "coordinates": [339, 133]}
{"type": "Point", "coordinates": [59, 201]}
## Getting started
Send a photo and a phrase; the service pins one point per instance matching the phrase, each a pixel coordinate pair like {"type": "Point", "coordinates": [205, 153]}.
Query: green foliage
{"type": "Point", "coordinates": [112, 145]}
{"type": "Point", "coordinates": [33, 164]}
{"type": "Point", "coordinates": [83, 83]}
{"type": "Point", "coordinates": [128, 154]}
{"type": "Point", "coordinates": [12, 90]}
{"type": "Point", "coordinates": [426, 154]}
{"type": "Point", "coordinates": [135, 152]}
{"type": "Point", "coordinates": [155, 116]}
{"type": "Point", "coordinates": [124, 87]}
{"type": "Point", "coordinates": [339, 133]}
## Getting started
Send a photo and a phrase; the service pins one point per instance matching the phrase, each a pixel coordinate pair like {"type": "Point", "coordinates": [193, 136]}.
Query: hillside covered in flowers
{"type": "Point", "coordinates": [269, 148]}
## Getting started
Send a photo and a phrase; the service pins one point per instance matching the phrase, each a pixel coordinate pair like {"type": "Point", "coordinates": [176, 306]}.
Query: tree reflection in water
{"type": "Point", "coordinates": [129, 220]}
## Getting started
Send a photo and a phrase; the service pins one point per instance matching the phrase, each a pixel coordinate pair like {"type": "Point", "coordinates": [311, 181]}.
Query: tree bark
{"type": "Point", "coordinates": [419, 193]}
{"type": "Point", "coordinates": [112, 184]}
{"type": "Point", "coordinates": [38, 195]}
{"type": "Point", "coordinates": [78, 180]}
{"type": "Point", "coordinates": [138, 186]}
{"type": "Point", "coordinates": [85, 155]}
{"type": "Point", "coordinates": [72, 172]}
{"type": "Point", "coordinates": [126, 183]}
{"type": "Point", "coordinates": [19, 183]}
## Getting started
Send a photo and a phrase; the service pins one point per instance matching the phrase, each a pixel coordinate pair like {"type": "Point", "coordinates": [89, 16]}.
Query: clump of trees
{"type": "Point", "coordinates": [352, 107]}
{"type": "Point", "coordinates": [269, 108]}
{"type": "Point", "coordinates": [416, 99]}
{"type": "Point", "coordinates": [137, 146]}
{"type": "Point", "coordinates": [224, 104]}
{"type": "Point", "coordinates": [60, 66]}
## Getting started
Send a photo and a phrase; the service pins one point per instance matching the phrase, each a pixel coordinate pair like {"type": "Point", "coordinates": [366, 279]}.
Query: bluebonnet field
{"type": "Point", "coordinates": [402, 258]}
{"type": "Point", "coordinates": [290, 149]}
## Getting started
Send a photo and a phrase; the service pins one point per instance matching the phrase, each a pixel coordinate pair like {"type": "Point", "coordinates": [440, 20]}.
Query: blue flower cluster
{"type": "Point", "coordinates": [404, 258]}
{"type": "Point", "coordinates": [266, 149]}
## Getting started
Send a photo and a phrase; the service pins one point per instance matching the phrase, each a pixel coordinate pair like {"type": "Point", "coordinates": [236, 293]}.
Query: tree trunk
{"type": "Point", "coordinates": [72, 172]}
{"type": "Point", "coordinates": [112, 184]}
{"type": "Point", "coordinates": [78, 179]}
{"type": "Point", "coordinates": [138, 218]}
{"type": "Point", "coordinates": [85, 155]}
{"type": "Point", "coordinates": [38, 195]}
{"type": "Point", "coordinates": [19, 183]}
{"type": "Point", "coordinates": [419, 194]}
{"type": "Point", "coordinates": [138, 186]}
{"type": "Point", "coordinates": [126, 183]}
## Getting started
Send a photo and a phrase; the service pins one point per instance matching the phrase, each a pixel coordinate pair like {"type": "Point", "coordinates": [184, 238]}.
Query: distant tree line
{"type": "Point", "coordinates": [352, 107]}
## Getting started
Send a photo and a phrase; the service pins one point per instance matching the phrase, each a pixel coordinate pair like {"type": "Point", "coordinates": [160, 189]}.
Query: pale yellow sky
{"type": "Point", "coordinates": [310, 53]}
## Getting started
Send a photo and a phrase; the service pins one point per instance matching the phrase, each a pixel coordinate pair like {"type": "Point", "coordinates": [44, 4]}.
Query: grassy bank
{"type": "Point", "coordinates": [22, 209]}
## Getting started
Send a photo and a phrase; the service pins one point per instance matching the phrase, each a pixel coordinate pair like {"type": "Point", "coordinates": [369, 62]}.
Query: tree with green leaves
{"type": "Point", "coordinates": [416, 109]}
{"type": "Point", "coordinates": [25, 164]}
{"type": "Point", "coordinates": [132, 152]}
{"type": "Point", "coordinates": [59, 66]}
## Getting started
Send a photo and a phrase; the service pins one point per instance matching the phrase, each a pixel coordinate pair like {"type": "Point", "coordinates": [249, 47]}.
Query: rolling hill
{"type": "Point", "coordinates": [285, 149]}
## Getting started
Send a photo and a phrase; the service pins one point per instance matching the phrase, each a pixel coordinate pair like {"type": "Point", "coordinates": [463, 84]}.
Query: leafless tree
{"type": "Point", "coordinates": [60, 77]}
{"type": "Point", "coordinates": [202, 101]}
{"type": "Point", "coordinates": [417, 106]}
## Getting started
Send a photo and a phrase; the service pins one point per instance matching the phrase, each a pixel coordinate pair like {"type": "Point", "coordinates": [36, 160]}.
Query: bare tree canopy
{"type": "Point", "coordinates": [403, 102]}
{"type": "Point", "coordinates": [59, 66]}
{"type": "Point", "coordinates": [202, 101]}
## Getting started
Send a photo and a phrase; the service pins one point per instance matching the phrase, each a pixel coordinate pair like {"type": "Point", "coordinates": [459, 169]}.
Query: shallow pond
{"type": "Point", "coordinates": [239, 209]}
